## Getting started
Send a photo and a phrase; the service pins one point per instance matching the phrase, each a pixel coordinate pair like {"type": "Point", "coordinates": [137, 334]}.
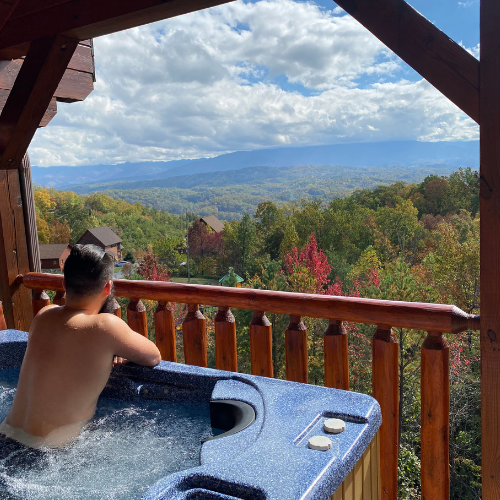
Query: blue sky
{"type": "Point", "coordinates": [252, 75]}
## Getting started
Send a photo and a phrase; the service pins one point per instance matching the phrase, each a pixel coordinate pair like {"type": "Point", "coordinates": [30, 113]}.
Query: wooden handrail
{"type": "Point", "coordinates": [439, 318]}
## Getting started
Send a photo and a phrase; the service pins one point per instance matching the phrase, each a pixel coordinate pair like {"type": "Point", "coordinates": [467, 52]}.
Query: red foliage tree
{"type": "Point", "coordinates": [313, 260]}
{"type": "Point", "coordinates": [151, 269]}
{"type": "Point", "coordinates": [202, 241]}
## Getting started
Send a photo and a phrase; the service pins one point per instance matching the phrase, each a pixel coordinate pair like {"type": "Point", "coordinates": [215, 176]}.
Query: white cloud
{"type": "Point", "coordinates": [471, 50]}
{"type": "Point", "coordinates": [204, 84]}
{"type": "Point", "coordinates": [468, 3]}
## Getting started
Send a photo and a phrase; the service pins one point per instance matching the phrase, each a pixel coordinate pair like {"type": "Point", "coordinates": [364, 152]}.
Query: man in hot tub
{"type": "Point", "coordinates": [70, 354]}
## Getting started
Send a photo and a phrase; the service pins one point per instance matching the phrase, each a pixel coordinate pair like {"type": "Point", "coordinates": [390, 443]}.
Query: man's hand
{"type": "Point", "coordinates": [119, 361]}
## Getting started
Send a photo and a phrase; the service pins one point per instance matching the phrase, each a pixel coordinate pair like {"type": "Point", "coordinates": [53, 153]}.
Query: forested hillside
{"type": "Point", "coordinates": [63, 216]}
{"type": "Point", "coordinates": [230, 194]}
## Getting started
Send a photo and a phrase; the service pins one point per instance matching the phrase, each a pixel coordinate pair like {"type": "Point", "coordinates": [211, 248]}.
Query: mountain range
{"type": "Point", "coordinates": [406, 154]}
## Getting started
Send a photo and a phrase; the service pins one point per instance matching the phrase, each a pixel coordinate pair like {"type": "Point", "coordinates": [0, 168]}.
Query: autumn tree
{"type": "Point", "coordinates": [270, 228]}
{"type": "Point", "coordinates": [170, 251]}
{"type": "Point", "coordinates": [204, 245]}
{"type": "Point", "coordinates": [452, 265]}
{"type": "Point", "coordinates": [150, 268]}
{"type": "Point", "coordinates": [308, 269]}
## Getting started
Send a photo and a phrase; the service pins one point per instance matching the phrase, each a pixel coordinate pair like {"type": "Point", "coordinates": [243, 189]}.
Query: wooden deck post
{"type": "Point", "coordinates": [261, 345]}
{"type": "Point", "coordinates": [385, 375]}
{"type": "Point", "coordinates": [137, 317]}
{"type": "Point", "coordinates": [435, 417]}
{"type": "Point", "coordinates": [194, 333]}
{"type": "Point", "coordinates": [117, 310]}
{"type": "Point", "coordinates": [489, 112]}
{"type": "Point", "coordinates": [336, 355]}
{"type": "Point", "coordinates": [296, 350]}
{"type": "Point", "coordinates": [226, 357]}
{"type": "Point", "coordinates": [40, 300]}
{"type": "Point", "coordinates": [165, 331]}
{"type": "Point", "coordinates": [14, 259]}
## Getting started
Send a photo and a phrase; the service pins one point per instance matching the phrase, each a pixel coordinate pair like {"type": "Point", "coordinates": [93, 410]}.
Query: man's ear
{"type": "Point", "coordinates": [107, 287]}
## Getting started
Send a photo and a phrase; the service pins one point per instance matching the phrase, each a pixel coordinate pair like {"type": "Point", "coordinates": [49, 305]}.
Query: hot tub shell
{"type": "Point", "coordinates": [270, 458]}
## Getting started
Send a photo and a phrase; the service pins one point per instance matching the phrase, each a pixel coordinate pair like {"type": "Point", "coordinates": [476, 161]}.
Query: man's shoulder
{"type": "Point", "coordinates": [47, 313]}
{"type": "Point", "coordinates": [108, 321]}
{"type": "Point", "coordinates": [44, 310]}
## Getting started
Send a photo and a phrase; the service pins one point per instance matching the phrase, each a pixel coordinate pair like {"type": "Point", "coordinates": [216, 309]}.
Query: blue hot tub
{"type": "Point", "coordinates": [264, 427]}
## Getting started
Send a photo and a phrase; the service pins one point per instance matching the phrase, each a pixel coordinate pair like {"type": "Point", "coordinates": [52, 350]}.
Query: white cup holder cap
{"type": "Point", "coordinates": [320, 443]}
{"type": "Point", "coordinates": [334, 426]}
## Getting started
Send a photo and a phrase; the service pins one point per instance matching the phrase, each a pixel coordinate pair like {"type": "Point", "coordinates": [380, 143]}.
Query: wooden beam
{"type": "Point", "coordinates": [81, 61]}
{"type": "Point", "coordinates": [6, 9]}
{"type": "Point", "coordinates": [89, 18]}
{"type": "Point", "coordinates": [30, 97]}
{"type": "Point", "coordinates": [76, 83]}
{"type": "Point", "coordinates": [490, 247]}
{"type": "Point", "coordinates": [15, 52]}
{"type": "Point", "coordinates": [18, 51]}
{"type": "Point", "coordinates": [429, 51]}
{"type": "Point", "coordinates": [48, 115]}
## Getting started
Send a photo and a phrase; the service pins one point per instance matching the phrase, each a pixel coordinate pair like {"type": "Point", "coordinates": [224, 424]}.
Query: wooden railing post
{"type": "Point", "coordinates": [117, 310]}
{"type": "Point", "coordinates": [165, 331]}
{"type": "Point", "coordinates": [39, 301]}
{"type": "Point", "coordinates": [137, 317]}
{"type": "Point", "coordinates": [336, 355]}
{"type": "Point", "coordinates": [194, 333]}
{"type": "Point", "coordinates": [60, 298]}
{"type": "Point", "coordinates": [435, 417]}
{"type": "Point", "coordinates": [3, 323]}
{"type": "Point", "coordinates": [261, 345]}
{"type": "Point", "coordinates": [296, 350]}
{"type": "Point", "coordinates": [385, 352]}
{"type": "Point", "coordinates": [226, 356]}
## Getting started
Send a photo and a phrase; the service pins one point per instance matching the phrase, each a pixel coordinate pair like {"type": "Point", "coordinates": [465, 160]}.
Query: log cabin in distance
{"type": "Point", "coordinates": [54, 255]}
{"type": "Point", "coordinates": [49, 34]}
{"type": "Point", "coordinates": [104, 238]}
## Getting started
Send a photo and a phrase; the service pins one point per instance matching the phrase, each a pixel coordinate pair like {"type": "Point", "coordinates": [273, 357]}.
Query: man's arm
{"type": "Point", "coordinates": [129, 344]}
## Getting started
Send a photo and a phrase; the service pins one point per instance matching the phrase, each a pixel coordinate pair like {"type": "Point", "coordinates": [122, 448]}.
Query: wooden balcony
{"type": "Point", "coordinates": [436, 319]}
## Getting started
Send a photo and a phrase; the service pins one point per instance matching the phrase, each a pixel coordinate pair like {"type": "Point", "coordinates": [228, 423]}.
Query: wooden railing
{"type": "Point", "coordinates": [436, 319]}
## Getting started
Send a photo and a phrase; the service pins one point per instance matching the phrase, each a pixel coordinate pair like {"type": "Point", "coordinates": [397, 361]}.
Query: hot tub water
{"type": "Point", "coordinates": [124, 449]}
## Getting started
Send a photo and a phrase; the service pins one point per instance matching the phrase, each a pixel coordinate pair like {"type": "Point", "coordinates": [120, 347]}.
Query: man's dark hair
{"type": "Point", "coordinates": [87, 269]}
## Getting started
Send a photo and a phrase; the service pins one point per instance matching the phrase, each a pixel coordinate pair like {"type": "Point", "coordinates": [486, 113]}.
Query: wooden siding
{"type": "Point", "coordinates": [363, 482]}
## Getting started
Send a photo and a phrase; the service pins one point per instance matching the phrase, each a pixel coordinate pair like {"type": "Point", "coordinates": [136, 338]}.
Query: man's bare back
{"type": "Point", "coordinates": [67, 363]}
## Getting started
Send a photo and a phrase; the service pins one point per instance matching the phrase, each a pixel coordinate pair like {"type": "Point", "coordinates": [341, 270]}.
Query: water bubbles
{"type": "Point", "coordinates": [120, 453]}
